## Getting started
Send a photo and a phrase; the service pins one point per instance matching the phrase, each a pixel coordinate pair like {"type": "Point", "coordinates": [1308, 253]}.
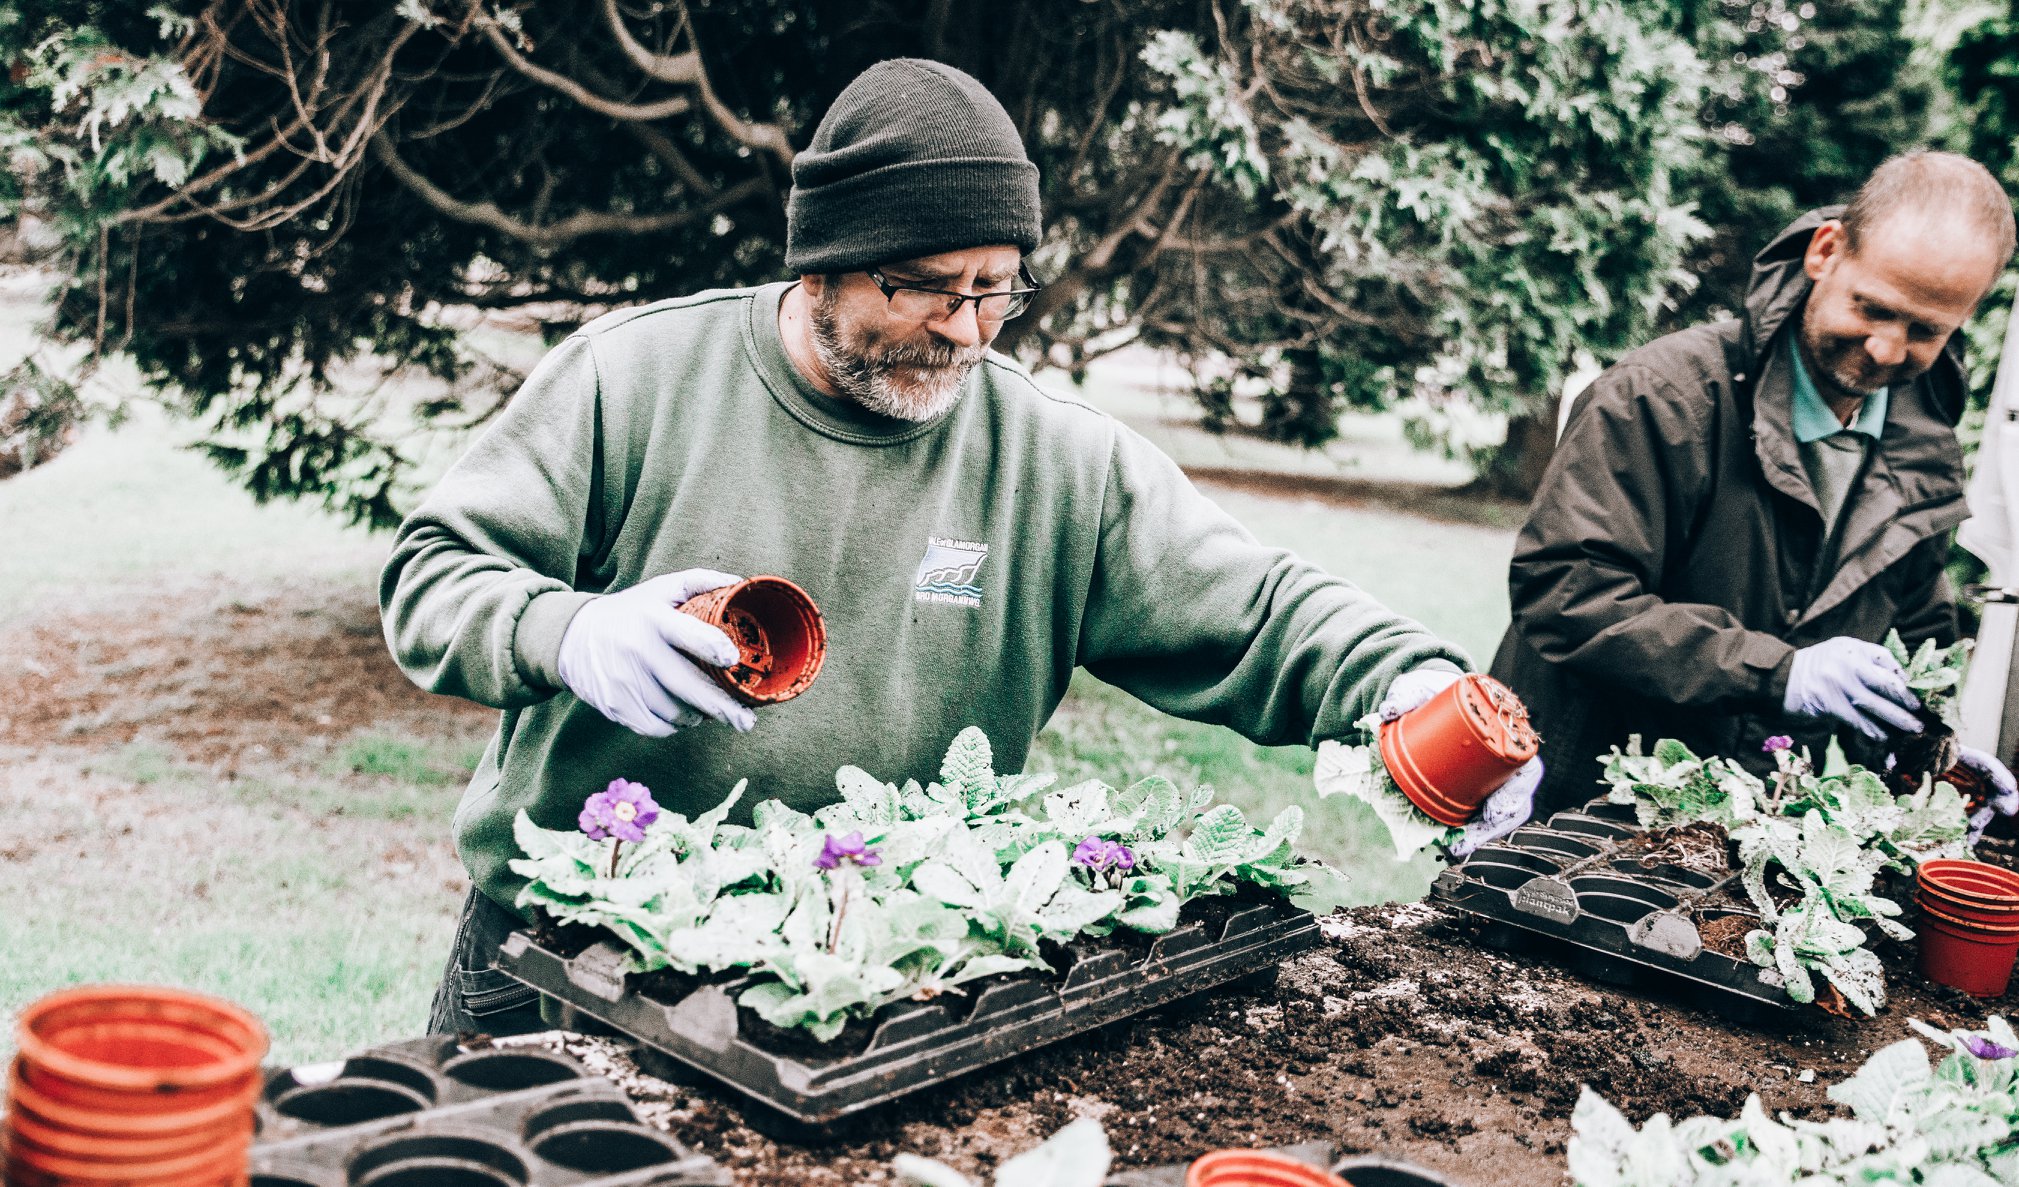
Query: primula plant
{"type": "Point", "coordinates": [896, 892]}
{"type": "Point", "coordinates": [1819, 840]}
{"type": "Point", "coordinates": [1952, 1124]}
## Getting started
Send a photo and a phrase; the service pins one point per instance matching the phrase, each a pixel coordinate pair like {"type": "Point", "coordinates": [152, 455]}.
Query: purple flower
{"type": "Point", "coordinates": [835, 850]}
{"type": "Point", "coordinates": [621, 810]}
{"type": "Point", "coordinates": [1984, 1048]}
{"type": "Point", "coordinates": [1099, 855]}
{"type": "Point", "coordinates": [1778, 743]}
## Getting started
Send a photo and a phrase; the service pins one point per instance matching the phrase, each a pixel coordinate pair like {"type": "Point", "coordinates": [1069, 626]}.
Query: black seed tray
{"type": "Point", "coordinates": [1570, 880]}
{"type": "Point", "coordinates": [430, 1113]}
{"type": "Point", "coordinates": [914, 1045]}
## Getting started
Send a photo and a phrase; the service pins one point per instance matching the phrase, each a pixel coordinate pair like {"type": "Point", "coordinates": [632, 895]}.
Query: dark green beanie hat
{"type": "Point", "coordinates": [913, 159]}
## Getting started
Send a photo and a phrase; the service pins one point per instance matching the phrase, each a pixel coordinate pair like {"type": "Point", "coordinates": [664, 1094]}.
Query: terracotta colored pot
{"type": "Point", "coordinates": [1977, 882]}
{"type": "Point", "coordinates": [777, 631]}
{"type": "Point", "coordinates": [24, 1099]}
{"type": "Point", "coordinates": [115, 1149]}
{"type": "Point", "coordinates": [165, 1049]}
{"type": "Point", "coordinates": [1974, 958]}
{"type": "Point", "coordinates": [1968, 912]}
{"type": "Point", "coordinates": [1452, 752]}
{"type": "Point", "coordinates": [221, 1164]}
{"type": "Point", "coordinates": [1256, 1168]}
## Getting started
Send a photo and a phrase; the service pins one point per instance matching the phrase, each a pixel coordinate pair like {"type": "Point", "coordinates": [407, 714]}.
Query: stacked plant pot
{"type": "Point", "coordinates": [126, 1084]}
{"type": "Point", "coordinates": [1969, 929]}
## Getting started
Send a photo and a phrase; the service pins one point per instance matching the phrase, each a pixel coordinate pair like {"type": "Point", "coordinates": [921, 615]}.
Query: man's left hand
{"type": "Point", "coordinates": [1507, 809]}
{"type": "Point", "coordinates": [2004, 790]}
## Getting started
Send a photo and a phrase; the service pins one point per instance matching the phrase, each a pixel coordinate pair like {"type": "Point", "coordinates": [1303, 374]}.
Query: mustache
{"type": "Point", "coordinates": [930, 355]}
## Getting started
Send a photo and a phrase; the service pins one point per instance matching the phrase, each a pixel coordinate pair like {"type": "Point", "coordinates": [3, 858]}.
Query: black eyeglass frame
{"type": "Point", "coordinates": [956, 300]}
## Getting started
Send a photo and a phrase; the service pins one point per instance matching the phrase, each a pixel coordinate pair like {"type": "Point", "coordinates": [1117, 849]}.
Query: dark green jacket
{"type": "Point", "coordinates": [1674, 558]}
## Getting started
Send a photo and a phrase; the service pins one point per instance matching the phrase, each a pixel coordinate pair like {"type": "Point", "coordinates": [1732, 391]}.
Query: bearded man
{"type": "Point", "coordinates": [970, 538]}
{"type": "Point", "coordinates": [1738, 513]}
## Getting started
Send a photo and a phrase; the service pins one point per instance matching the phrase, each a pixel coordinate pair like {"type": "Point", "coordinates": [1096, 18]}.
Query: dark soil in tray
{"type": "Point", "coordinates": [566, 940]}
{"type": "Point", "coordinates": [1398, 1036]}
{"type": "Point", "coordinates": [1213, 911]}
{"type": "Point", "coordinates": [1726, 934]}
{"type": "Point", "coordinates": [853, 1039]}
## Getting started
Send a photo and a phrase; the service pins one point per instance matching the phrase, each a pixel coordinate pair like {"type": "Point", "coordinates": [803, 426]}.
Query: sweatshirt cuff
{"type": "Point", "coordinates": [536, 644]}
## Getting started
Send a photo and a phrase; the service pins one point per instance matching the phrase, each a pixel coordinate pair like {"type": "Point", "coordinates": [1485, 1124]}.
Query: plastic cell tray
{"type": "Point", "coordinates": [914, 1045]}
{"type": "Point", "coordinates": [1574, 879]}
{"type": "Point", "coordinates": [428, 1113]}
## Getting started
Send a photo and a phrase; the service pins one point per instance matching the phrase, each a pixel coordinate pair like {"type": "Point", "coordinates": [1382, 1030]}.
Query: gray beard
{"type": "Point", "coordinates": [871, 380]}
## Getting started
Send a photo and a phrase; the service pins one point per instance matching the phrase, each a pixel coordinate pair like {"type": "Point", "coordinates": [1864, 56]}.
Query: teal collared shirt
{"type": "Point", "coordinates": [1832, 452]}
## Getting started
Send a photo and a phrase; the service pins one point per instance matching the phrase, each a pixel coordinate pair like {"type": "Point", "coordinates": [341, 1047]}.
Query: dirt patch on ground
{"type": "Point", "coordinates": [1401, 1036]}
{"type": "Point", "coordinates": [259, 671]}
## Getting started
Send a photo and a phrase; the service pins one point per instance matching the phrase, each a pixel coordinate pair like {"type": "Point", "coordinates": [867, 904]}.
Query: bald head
{"type": "Point", "coordinates": [1901, 271]}
{"type": "Point", "coordinates": [1934, 196]}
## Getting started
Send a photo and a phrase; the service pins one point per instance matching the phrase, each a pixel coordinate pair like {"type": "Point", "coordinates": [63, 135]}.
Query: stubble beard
{"type": "Point", "coordinates": [914, 381]}
{"type": "Point", "coordinates": [1841, 366]}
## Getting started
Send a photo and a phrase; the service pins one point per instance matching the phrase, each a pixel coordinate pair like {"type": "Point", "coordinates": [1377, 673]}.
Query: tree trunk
{"type": "Point", "coordinates": [1514, 471]}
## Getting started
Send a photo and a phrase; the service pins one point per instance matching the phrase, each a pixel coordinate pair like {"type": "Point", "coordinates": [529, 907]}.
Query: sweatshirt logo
{"type": "Point", "coordinates": [950, 573]}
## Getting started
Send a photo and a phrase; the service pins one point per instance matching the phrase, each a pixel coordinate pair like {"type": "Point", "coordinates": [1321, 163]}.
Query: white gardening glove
{"type": "Point", "coordinates": [1413, 689]}
{"type": "Point", "coordinates": [1507, 809]}
{"type": "Point", "coordinates": [626, 656]}
{"type": "Point", "coordinates": [1854, 682]}
{"type": "Point", "coordinates": [2004, 791]}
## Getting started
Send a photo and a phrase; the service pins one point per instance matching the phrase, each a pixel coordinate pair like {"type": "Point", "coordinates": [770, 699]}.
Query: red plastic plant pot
{"type": "Point", "coordinates": [95, 1117]}
{"type": "Point", "coordinates": [1450, 753]}
{"type": "Point", "coordinates": [152, 1049]}
{"type": "Point", "coordinates": [113, 1149]}
{"type": "Point", "coordinates": [1968, 912]}
{"type": "Point", "coordinates": [1971, 957]}
{"type": "Point", "coordinates": [779, 636]}
{"type": "Point", "coordinates": [1256, 1168]}
{"type": "Point", "coordinates": [1977, 882]}
{"type": "Point", "coordinates": [223, 1162]}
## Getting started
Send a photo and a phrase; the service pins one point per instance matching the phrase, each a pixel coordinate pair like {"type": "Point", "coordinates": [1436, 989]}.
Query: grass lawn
{"type": "Point", "coordinates": [210, 774]}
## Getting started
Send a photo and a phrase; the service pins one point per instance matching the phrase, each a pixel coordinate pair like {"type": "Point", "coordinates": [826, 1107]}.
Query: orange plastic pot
{"type": "Point", "coordinates": [1973, 957]}
{"type": "Point", "coordinates": [1977, 882]}
{"type": "Point", "coordinates": [780, 638]}
{"type": "Point", "coordinates": [1256, 1168]}
{"type": "Point", "coordinates": [111, 1149]}
{"type": "Point", "coordinates": [1451, 752]}
{"type": "Point", "coordinates": [1967, 912]}
{"type": "Point", "coordinates": [24, 1099]}
{"type": "Point", "coordinates": [148, 1048]}
{"type": "Point", "coordinates": [220, 1164]}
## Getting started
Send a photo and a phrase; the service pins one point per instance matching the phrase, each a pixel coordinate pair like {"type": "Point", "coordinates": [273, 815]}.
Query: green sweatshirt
{"type": "Point", "coordinates": [964, 567]}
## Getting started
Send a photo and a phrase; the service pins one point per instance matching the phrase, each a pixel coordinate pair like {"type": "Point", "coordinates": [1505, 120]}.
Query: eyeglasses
{"type": "Point", "coordinates": [913, 303]}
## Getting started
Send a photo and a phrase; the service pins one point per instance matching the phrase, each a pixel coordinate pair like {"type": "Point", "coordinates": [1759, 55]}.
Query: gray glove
{"type": "Point", "coordinates": [1507, 809]}
{"type": "Point", "coordinates": [626, 655]}
{"type": "Point", "coordinates": [2004, 791]}
{"type": "Point", "coordinates": [1414, 688]}
{"type": "Point", "coordinates": [1854, 682]}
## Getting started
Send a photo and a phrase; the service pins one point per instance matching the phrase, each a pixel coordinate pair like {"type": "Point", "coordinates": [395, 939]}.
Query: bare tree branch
{"type": "Point", "coordinates": [558, 234]}
{"type": "Point", "coordinates": [676, 105]}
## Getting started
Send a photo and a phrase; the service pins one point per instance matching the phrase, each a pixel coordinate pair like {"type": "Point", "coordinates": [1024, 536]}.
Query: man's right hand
{"type": "Point", "coordinates": [626, 655]}
{"type": "Point", "coordinates": [1854, 682]}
